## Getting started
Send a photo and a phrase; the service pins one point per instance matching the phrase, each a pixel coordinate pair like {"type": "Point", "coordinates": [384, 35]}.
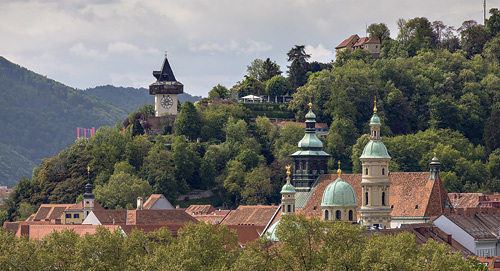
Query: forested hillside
{"type": "Point", "coordinates": [39, 118]}
{"type": "Point", "coordinates": [435, 93]}
{"type": "Point", "coordinates": [130, 98]}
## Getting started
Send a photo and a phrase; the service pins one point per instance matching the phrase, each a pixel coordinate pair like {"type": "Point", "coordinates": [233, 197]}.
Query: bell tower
{"type": "Point", "coordinates": [88, 197]}
{"type": "Point", "coordinates": [375, 208]}
{"type": "Point", "coordinates": [287, 195]}
{"type": "Point", "coordinates": [165, 90]}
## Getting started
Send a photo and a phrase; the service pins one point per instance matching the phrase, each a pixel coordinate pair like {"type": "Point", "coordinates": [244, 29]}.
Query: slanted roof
{"type": "Point", "coordinates": [161, 217]}
{"type": "Point", "coordinates": [106, 216]}
{"type": "Point", "coordinates": [246, 233]}
{"type": "Point", "coordinates": [157, 201]}
{"type": "Point", "coordinates": [365, 40]}
{"type": "Point", "coordinates": [473, 225]}
{"type": "Point", "coordinates": [166, 74]}
{"type": "Point", "coordinates": [50, 211]}
{"type": "Point", "coordinates": [200, 209]}
{"type": "Point", "coordinates": [465, 200]}
{"type": "Point", "coordinates": [350, 40]}
{"type": "Point", "coordinates": [412, 194]}
{"type": "Point", "coordinates": [258, 215]}
{"type": "Point", "coordinates": [39, 231]}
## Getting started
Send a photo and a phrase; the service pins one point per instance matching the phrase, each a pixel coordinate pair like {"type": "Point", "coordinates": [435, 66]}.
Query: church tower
{"type": "Point", "coordinates": [375, 208]}
{"type": "Point", "coordinates": [88, 197]}
{"type": "Point", "coordinates": [310, 161]}
{"type": "Point", "coordinates": [339, 201]}
{"type": "Point", "coordinates": [165, 90]}
{"type": "Point", "coordinates": [288, 195]}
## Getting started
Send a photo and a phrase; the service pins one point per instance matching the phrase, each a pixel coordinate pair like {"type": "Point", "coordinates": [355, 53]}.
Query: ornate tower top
{"type": "Point", "coordinates": [375, 148]}
{"type": "Point", "coordinates": [165, 81]}
{"type": "Point", "coordinates": [435, 166]}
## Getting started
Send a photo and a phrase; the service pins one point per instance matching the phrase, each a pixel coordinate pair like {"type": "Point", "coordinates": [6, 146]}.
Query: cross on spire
{"type": "Point", "coordinates": [339, 171]}
{"type": "Point", "coordinates": [375, 105]}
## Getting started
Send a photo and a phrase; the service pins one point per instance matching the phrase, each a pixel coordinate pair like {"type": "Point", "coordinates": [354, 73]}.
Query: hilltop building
{"type": "Point", "coordinates": [165, 90]}
{"type": "Point", "coordinates": [372, 45]}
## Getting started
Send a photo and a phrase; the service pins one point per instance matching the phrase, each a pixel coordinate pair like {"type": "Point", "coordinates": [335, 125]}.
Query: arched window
{"type": "Point", "coordinates": [366, 171]}
{"type": "Point", "coordinates": [289, 209]}
{"type": "Point", "coordinates": [366, 198]}
{"type": "Point", "coordinates": [338, 215]}
{"type": "Point", "coordinates": [383, 171]}
{"type": "Point", "coordinates": [326, 214]}
{"type": "Point", "coordinates": [350, 215]}
{"type": "Point", "coordinates": [383, 198]}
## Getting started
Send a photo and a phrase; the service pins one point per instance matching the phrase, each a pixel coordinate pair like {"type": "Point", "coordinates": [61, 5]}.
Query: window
{"type": "Point", "coordinates": [383, 198]}
{"type": "Point", "coordinates": [383, 171]}
{"type": "Point", "coordinates": [289, 209]}
{"type": "Point", "coordinates": [338, 215]}
{"type": "Point", "coordinates": [366, 198]}
{"type": "Point", "coordinates": [326, 214]}
{"type": "Point", "coordinates": [366, 171]}
{"type": "Point", "coordinates": [68, 215]}
{"type": "Point", "coordinates": [76, 216]}
{"type": "Point", "coordinates": [350, 215]}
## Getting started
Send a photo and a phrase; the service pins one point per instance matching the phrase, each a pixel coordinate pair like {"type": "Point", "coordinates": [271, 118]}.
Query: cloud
{"type": "Point", "coordinates": [249, 47]}
{"type": "Point", "coordinates": [320, 53]}
{"type": "Point", "coordinates": [79, 49]}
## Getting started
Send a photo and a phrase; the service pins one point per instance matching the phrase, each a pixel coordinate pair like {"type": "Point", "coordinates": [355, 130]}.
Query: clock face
{"type": "Point", "coordinates": [166, 101]}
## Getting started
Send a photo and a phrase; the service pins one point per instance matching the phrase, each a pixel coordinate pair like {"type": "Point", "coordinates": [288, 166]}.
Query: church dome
{"type": "Point", "coordinates": [271, 231]}
{"type": "Point", "coordinates": [310, 141]}
{"type": "Point", "coordinates": [375, 119]}
{"type": "Point", "coordinates": [375, 149]}
{"type": "Point", "coordinates": [288, 188]}
{"type": "Point", "coordinates": [339, 193]}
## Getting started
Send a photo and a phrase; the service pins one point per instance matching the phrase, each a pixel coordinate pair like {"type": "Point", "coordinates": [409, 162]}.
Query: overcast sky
{"type": "Point", "coordinates": [87, 43]}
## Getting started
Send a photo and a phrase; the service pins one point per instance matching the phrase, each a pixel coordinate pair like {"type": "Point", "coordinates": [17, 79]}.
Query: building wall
{"type": "Point", "coordinates": [74, 220]}
{"type": "Point", "coordinates": [162, 204]}
{"type": "Point", "coordinates": [461, 236]}
{"type": "Point", "coordinates": [397, 221]}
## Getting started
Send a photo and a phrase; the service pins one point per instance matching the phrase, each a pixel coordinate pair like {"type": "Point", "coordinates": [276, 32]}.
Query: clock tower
{"type": "Point", "coordinates": [165, 90]}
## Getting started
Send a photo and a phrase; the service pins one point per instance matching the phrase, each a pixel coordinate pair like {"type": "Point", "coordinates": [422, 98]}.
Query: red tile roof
{"type": "Point", "coordinates": [365, 40]}
{"type": "Point", "coordinates": [106, 216]}
{"type": "Point", "coordinates": [215, 217]}
{"type": "Point", "coordinates": [47, 211]}
{"type": "Point", "coordinates": [464, 200]}
{"type": "Point", "coordinates": [411, 194]}
{"type": "Point", "coordinates": [162, 217]}
{"type": "Point", "coordinates": [246, 233]}
{"type": "Point", "coordinates": [151, 201]}
{"type": "Point", "coordinates": [200, 209]}
{"type": "Point", "coordinates": [352, 39]}
{"type": "Point", "coordinates": [493, 263]}
{"type": "Point", "coordinates": [40, 231]}
{"type": "Point", "coordinates": [258, 215]}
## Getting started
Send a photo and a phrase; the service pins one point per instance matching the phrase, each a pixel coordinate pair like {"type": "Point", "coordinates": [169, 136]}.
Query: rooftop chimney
{"type": "Point", "coordinates": [139, 203]}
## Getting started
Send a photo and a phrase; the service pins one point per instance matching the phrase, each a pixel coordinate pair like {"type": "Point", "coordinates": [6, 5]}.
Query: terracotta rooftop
{"type": "Point", "coordinates": [106, 216]}
{"type": "Point", "coordinates": [464, 200]}
{"type": "Point", "coordinates": [411, 194]}
{"type": "Point", "coordinates": [170, 217]}
{"type": "Point", "coordinates": [48, 211]}
{"type": "Point", "coordinates": [493, 263]}
{"type": "Point", "coordinates": [258, 215]}
{"type": "Point", "coordinates": [200, 209]}
{"type": "Point", "coordinates": [40, 231]}
{"type": "Point", "coordinates": [365, 40]}
{"type": "Point", "coordinates": [151, 201]}
{"type": "Point", "coordinates": [215, 217]}
{"type": "Point", "coordinates": [246, 233]}
{"type": "Point", "coordinates": [352, 39]}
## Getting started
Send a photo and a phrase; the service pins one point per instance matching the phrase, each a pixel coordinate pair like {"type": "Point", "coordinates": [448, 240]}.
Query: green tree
{"type": "Point", "coordinates": [277, 86]}
{"type": "Point", "coordinates": [258, 186]}
{"type": "Point", "coordinates": [188, 122]}
{"type": "Point", "coordinates": [122, 190]}
{"type": "Point", "coordinates": [493, 22]}
{"type": "Point", "coordinates": [269, 70]}
{"type": "Point", "coordinates": [473, 37]}
{"type": "Point", "coordinates": [379, 31]}
{"type": "Point", "coordinates": [218, 92]}
{"type": "Point", "coordinates": [256, 69]}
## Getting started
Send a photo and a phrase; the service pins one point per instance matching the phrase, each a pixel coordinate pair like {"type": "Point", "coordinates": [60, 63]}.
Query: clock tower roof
{"type": "Point", "coordinates": [166, 74]}
{"type": "Point", "coordinates": [165, 81]}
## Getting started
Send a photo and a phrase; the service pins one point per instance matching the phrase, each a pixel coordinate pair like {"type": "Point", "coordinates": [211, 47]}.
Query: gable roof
{"type": "Point", "coordinates": [161, 217]}
{"type": "Point", "coordinates": [352, 39]}
{"type": "Point", "coordinates": [246, 233]}
{"type": "Point", "coordinates": [50, 211]}
{"type": "Point", "coordinates": [258, 215]}
{"type": "Point", "coordinates": [106, 217]}
{"type": "Point", "coordinates": [365, 40]}
{"type": "Point", "coordinates": [412, 194]}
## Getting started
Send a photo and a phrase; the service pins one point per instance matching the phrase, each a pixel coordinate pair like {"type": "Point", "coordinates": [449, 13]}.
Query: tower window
{"type": "Point", "coordinates": [366, 198]}
{"type": "Point", "coordinates": [326, 214]}
{"type": "Point", "coordinates": [383, 171]}
{"type": "Point", "coordinates": [383, 198]}
{"type": "Point", "coordinates": [366, 171]}
{"type": "Point", "coordinates": [350, 215]}
{"type": "Point", "coordinates": [338, 215]}
{"type": "Point", "coordinates": [289, 209]}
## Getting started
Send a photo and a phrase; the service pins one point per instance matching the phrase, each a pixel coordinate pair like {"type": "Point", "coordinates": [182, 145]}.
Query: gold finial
{"type": "Point", "coordinates": [88, 169]}
{"type": "Point", "coordinates": [310, 105]}
{"type": "Point", "coordinates": [288, 170]}
{"type": "Point", "coordinates": [339, 171]}
{"type": "Point", "coordinates": [375, 106]}
{"type": "Point", "coordinates": [434, 154]}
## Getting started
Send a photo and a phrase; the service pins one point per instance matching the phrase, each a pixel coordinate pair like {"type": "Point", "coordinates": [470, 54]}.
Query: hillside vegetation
{"type": "Point", "coordinates": [433, 96]}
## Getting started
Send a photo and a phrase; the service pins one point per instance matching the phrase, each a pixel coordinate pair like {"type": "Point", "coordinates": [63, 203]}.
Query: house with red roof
{"type": "Point", "coordinates": [207, 213]}
{"type": "Point", "coordinates": [372, 45]}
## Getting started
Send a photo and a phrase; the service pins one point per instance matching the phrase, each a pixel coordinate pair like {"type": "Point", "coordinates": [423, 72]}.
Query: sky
{"type": "Point", "coordinates": [89, 43]}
